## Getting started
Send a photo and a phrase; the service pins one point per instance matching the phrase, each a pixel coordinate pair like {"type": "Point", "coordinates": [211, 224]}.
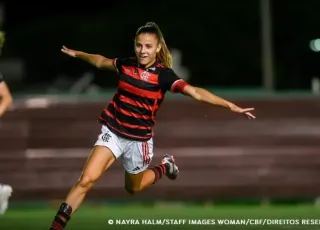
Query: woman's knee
{"type": "Point", "coordinates": [99, 160]}
{"type": "Point", "coordinates": [132, 189]}
{"type": "Point", "coordinates": [133, 183]}
{"type": "Point", "coordinates": [86, 181]}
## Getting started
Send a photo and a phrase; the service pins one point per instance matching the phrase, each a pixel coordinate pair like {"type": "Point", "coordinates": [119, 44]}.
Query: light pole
{"type": "Point", "coordinates": [267, 45]}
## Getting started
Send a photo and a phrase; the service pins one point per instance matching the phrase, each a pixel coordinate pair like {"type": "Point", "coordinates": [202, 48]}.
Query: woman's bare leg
{"type": "Point", "coordinates": [100, 159]}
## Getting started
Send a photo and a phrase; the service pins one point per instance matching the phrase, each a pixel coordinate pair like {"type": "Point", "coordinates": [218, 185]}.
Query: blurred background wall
{"type": "Point", "coordinates": [262, 54]}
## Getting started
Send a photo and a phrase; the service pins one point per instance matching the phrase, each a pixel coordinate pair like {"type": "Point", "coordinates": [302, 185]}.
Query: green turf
{"type": "Point", "coordinates": [94, 218]}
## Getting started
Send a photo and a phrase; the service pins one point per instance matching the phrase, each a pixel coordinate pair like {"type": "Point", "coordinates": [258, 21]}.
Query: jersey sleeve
{"type": "Point", "coordinates": [118, 62]}
{"type": "Point", "coordinates": [169, 81]}
{"type": "Point", "coordinates": [1, 78]}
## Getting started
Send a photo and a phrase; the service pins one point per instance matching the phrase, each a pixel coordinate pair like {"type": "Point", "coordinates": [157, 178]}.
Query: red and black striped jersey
{"type": "Point", "coordinates": [132, 111]}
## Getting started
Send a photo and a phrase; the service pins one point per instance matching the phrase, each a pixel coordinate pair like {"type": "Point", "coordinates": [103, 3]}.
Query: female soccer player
{"type": "Point", "coordinates": [128, 120]}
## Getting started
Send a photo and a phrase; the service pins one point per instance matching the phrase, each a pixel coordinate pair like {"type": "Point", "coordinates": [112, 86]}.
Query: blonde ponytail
{"type": "Point", "coordinates": [164, 54]}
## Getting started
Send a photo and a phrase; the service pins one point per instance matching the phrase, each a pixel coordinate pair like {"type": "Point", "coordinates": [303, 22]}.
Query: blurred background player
{"type": "Point", "coordinates": [5, 95]}
{"type": "Point", "coordinates": [5, 102]}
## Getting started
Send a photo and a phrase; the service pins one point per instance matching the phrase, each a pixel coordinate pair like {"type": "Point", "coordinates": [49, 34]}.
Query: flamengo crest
{"type": "Point", "coordinates": [144, 75]}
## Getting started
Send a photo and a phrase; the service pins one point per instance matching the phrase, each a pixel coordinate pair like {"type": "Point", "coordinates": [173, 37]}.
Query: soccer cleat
{"type": "Point", "coordinates": [5, 193]}
{"type": "Point", "coordinates": [172, 169]}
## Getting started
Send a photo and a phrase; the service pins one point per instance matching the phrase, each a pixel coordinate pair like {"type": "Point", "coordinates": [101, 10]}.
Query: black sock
{"type": "Point", "coordinates": [62, 217]}
{"type": "Point", "coordinates": [159, 171]}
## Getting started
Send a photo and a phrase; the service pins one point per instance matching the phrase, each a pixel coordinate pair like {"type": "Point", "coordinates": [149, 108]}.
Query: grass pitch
{"type": "Point", "coordinates": [186, 217]}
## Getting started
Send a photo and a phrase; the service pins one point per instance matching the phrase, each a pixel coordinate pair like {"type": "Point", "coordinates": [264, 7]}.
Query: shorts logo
{"type": "Point", "coordinates": [106, 137]}
{"type": "Point", "coordinates": [136, 169]}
